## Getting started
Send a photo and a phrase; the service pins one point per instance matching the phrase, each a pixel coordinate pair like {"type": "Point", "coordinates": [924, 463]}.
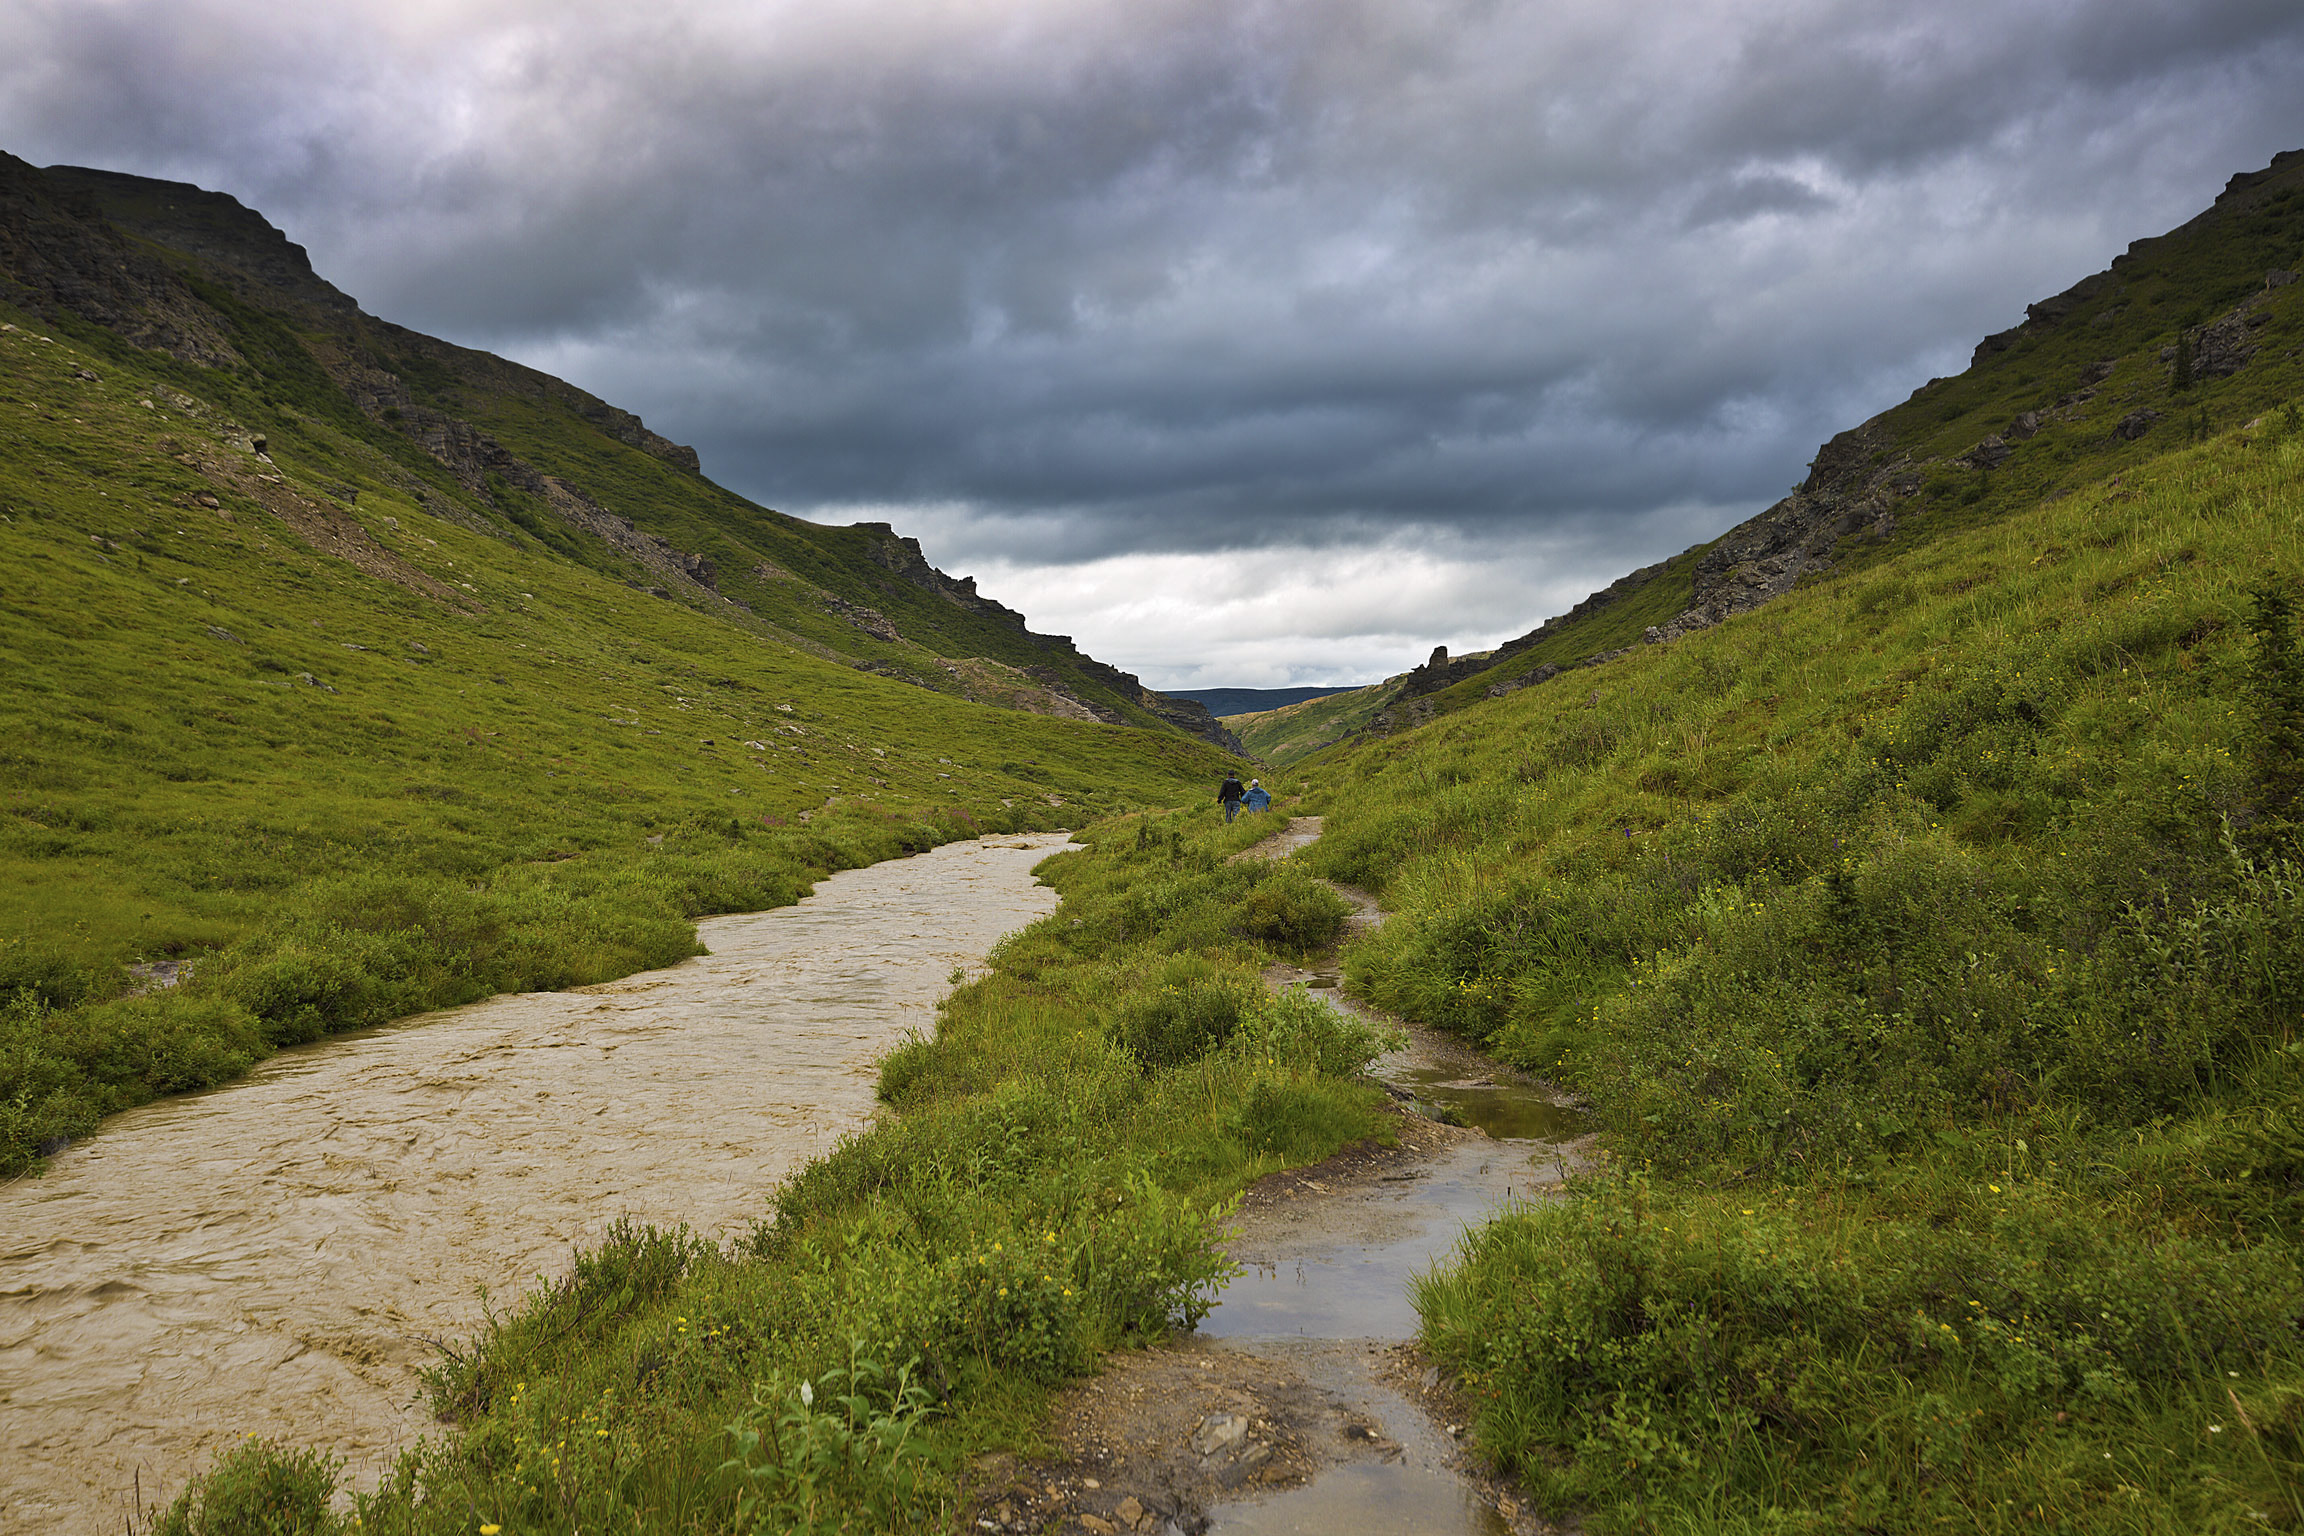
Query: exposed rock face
{"type": "Point", "coordinates": [902, 558]}
{"type": "Point", "coordinates": [244, 247]}
{"type": "Point", "coordinates": [631, 431]}
{"type": "Point", "coordinates": [2223, 346]}
{"type": "Point", "coordinates": [1187, 715]}
{"type": "Point", "coordinates": [58, 256]}
{"type": "Point", "coordinates": [652, 550]}
{"type": "Point", "coordinates": [870, 620]}
{"type": "Point", "coordinates": [1992, 452]}
{"type": "Point", "coordinates": [241, 247]}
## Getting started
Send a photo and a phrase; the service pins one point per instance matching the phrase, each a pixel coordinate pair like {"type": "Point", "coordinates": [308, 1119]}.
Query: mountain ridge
{"type": "Point", "coordinates": [200, 277]}
{"type": "Point", "coordinates": [1930, 462]}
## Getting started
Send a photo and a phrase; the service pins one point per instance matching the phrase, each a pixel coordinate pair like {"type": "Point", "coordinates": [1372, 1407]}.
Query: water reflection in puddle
{"type": "Point", "coordinates": [1359, 1290]}
{"type": "Point", "coordinates": [1348, 1279]}
{"type": "Point", "coordinates": [1386, 1500]}
{"type": "Point", "coordinates": [1507, 1111]}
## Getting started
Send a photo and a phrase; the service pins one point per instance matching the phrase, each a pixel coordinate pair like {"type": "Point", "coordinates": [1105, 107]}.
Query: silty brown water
{"type": "Point", "coordinates": [272, 1258]}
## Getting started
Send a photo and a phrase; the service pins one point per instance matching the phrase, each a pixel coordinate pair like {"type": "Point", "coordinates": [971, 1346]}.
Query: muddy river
{"type": "Point", "coordinates": [274, 1257]}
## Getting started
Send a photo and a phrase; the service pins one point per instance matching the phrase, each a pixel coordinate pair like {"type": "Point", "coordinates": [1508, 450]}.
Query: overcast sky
{"type": "Point", "coordinates": [1250, 343]}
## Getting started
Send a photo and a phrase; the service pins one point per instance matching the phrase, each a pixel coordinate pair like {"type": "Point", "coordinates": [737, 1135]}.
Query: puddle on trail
{"type": "Point", "coordinates": [1506, 1110]}
{"type": "Point", "coordinates": [1351, 1282]}
{"type": "Point", "coordinates": [1359, 1289]}
{"type": "Point", "coordinates": [1414, 1489]}
{"type": "Point", "coordinates": [1445, 1074]}
{"type": "Point", "coordinates": [272, 1257]}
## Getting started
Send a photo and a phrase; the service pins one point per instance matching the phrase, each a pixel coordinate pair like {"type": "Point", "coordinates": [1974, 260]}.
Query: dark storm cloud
{"type": "Point", "coordinates": [1092, 278]}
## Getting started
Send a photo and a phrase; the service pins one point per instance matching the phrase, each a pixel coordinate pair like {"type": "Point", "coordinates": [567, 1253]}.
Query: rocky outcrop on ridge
{"type": "Point", "coordinates": [238, 243]}
{"type": "Point", "coordinates": [902, 558]}
{"type": "Point", "coordinates": [58, 257]}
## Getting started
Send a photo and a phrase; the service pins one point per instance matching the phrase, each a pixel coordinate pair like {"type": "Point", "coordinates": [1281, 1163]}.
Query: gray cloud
{"type": "Point", "coordinates": [1069, 281]}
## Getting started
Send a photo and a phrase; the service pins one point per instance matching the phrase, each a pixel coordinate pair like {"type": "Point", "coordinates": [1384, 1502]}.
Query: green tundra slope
{"type": "Point", "coordinates": [1293, 732]}
{"type": "Point", "coordinates": [292, 697]}
{"type": "Point", "coordinates": [517, 454]}
{"type": "Point", "coordinates": [1930, 945]}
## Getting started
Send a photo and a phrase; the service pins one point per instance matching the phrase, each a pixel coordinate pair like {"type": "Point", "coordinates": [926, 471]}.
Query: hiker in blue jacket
{"type": "Point", "coordinates": [1258, 797]}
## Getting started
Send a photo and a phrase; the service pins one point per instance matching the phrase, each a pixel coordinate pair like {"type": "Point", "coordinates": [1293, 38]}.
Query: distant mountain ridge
{"type": "Point", "coordinates": [194, 274]}
{"type": "Point", "coordinates": [1222, 702]}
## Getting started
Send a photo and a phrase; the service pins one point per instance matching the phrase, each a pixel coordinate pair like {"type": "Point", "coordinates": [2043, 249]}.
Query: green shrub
{"type": "Point", "coordinates": [45, 971]}
{"type": "Point", "coordinates": [827, 1451]}
{"type": "Point", "coordinates": [259, 1489]}
{"type": "Point", "coordinates": [1293, 1121]}
{"type": "Point", "coordinates": [1637, 1346]}
{"type": "Point", "coordinates": [1295, 1026]}
{"type": "Point", "coordinates": [1293, 911]}
{"type": "Point", "coordinates": [1185, 1009]}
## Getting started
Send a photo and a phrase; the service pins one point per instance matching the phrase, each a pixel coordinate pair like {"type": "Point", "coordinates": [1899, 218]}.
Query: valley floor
{"type": "Point", "coordinates": [284, 1257]}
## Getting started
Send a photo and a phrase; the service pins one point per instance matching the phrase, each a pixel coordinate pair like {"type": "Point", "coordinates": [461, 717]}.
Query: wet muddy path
{"type": "Point", "coordinates": [274, 1256]}
{"type": "Point", "coordinates": [1301, 1404]}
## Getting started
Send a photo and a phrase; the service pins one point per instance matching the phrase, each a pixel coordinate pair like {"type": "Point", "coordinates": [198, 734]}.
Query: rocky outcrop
{"type": "Point", "coordinates": [236, 242]}
{"type": "Point", "coordinates": [1192, 718]}
{"type": "Point", "coordinates": [901, 558]}
{"type": "Point", "coordinates": [1854, 483]}
{"type": "Point", "coordinates": [659, 554]}
{"type": "Point", "coordinates": [1187, 715]}
{"type": "Point", "coordinates": [59, 256]}
{"type": "Point", "coordinates": [242, 248]}
{"type": "Point", "coordinates": [631, 431]}
{"type": "Point", "coordinates": [870, 620]}
{"type": "Point", "coordinates": [2223, 346]}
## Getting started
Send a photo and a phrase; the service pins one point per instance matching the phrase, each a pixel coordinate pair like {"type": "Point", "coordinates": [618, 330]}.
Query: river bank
{"type": "Point", "coordinates": [282, 1257]}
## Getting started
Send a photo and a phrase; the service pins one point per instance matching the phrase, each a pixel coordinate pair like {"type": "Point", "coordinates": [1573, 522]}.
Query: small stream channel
{"type": "Point", "coordinates": [1322, 1301]}
{"type": "Point", "coordinates": [276, 1256]}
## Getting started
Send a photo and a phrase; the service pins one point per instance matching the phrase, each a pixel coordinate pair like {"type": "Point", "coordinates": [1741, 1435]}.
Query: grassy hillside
{"type": "Point", "coordinates": [208, 286]}
{"type": "Point", "coordinates": [1296, 731]}
{"type": "Point", "coordinates": [355, 740]}
{"type": "Point", "coordinates": [1928, 944]}
{"type": "Point", "coordinates": [2185, 336]}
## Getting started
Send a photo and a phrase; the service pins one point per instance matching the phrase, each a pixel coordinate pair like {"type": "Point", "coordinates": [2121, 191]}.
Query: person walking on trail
{"type": "Point", "coordinates": [1258, 797]}
{"type": "Point", "coordinates": [1231, 795]}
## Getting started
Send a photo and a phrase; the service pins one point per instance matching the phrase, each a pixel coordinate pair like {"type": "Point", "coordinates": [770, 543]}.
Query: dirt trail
{"type": "Point", "coordinates": [272, 1257]}
{"type": "Point", "coordinates": [1302, 1404]}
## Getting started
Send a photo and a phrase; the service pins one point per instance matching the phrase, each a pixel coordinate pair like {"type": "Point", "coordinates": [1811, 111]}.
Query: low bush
{"type": "Point", "coordinates": [259, 1489]}
{"type": "Point", "coordinates": [1635, 1347]}
{"type": "Point", "coordinates": [1186, 1008]}
{"type": "Point", "coordinates": [1293, 1025]}
{"type": "Point", "coordinates": [1293, 912]}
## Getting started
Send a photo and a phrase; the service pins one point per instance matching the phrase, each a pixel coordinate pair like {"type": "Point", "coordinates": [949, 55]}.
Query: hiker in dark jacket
{"type": "Point", "coordinates": [1230, 795]}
